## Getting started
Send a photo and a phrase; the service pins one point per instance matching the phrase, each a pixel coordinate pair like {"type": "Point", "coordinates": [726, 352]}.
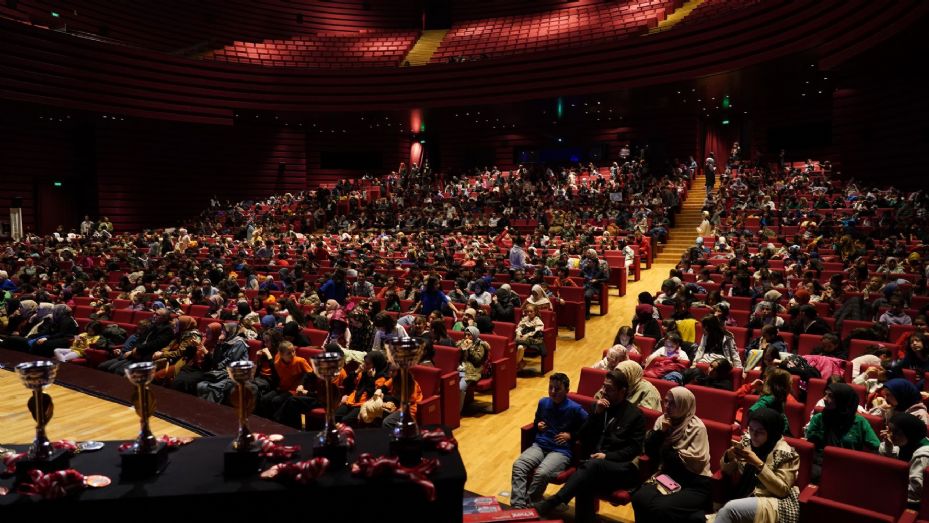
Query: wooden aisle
{"type": "Point", "coordinates": [77, 416]}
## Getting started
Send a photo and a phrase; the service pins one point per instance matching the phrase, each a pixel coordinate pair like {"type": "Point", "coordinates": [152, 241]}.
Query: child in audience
{"type": "Point", "coordinates": [81, 342]}
{"type": "Point", "coordinates": [905, 439]}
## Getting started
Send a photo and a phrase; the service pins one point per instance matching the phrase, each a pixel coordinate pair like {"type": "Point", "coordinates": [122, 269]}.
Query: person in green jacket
{"type": "Point", "coordinates": [774, 395]}
{"type": "Point", "coordinates": [840, 425]}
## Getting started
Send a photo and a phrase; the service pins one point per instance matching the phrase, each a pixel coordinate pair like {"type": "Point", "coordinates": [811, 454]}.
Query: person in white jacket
{"type": "Point", "coordinates": [905, 439]}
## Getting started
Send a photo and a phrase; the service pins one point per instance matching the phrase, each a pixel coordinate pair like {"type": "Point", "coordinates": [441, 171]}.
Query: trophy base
{"type": "Point", "coordinates": [336, 454]}
{"type": "Point", "coordinates": [60, 459]}
{"type": "Point", "coordinates": [144, 464]}
{"type": "Point", "coordinates": [408, 450]}
{"type": "Point", "coordinates": [241, 462]}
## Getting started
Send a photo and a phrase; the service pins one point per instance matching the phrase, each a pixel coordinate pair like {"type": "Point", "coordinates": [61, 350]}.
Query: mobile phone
{"type": "Point", "coordinates": [667, 483]}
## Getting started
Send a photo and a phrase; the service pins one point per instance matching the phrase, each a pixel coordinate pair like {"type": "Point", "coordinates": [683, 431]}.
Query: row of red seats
{"type": "Point", "coordinates": [564, 28]}
{"type": "Point", "coordinates": [362, 50]}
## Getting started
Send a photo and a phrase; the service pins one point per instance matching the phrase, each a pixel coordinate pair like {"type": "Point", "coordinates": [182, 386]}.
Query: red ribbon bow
{"type": "Point", "coordinates": [275, 451]}
{"type": "Point", "coordinates": [368, 466]}
{"type": "Point", "coordinates": [53, 485]}
{"type": "Point", "coordinates": [347, 433]}
{"type": "Point", "coordinates": [301, 472]}
{"type": "Point", "coordinates": [438, 440]}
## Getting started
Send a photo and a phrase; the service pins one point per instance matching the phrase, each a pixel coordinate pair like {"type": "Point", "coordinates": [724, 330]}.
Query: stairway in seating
{"type": "Point", "coordinates": [425, 47]}
{"type": "Point", "coordinates": [675, 17]}
{"type": "Point", "coordinates": [681, 237]}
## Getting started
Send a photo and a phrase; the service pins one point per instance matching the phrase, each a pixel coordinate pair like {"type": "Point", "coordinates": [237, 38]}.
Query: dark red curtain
{"type": "Point", "coordinates": [717, 140]}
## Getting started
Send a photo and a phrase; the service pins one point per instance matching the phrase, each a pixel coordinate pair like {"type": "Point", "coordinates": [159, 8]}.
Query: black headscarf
{"type": "Point", "coordinates": [367, 383]}
{"type": "Point", "coordinates": [293, 333]}
{"type": "Point", "coordinates": [915, 431]}
{"type": "Point", "coordinates": [838, 418]}
{"type": "Point", "coordinates": [773, 423]}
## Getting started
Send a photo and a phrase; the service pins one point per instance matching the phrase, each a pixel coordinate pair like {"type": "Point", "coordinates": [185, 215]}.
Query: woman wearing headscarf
{"type": "Point", "coordinates": [56, 332]}
{"type": "Point", "coordinates": [905, 439]}
{"type": "Point", "coordinates": [839, 425]}
{"type": "Point", "coordinates": [474, 352]}
{"type": "Point", "coordinates": [764, 469]}
{"type": "Point", "coordinates": [680, 445]}
{"type": "Point", "coordinates": [186, 348]}
{"type": "Point", "coordinates": [370, 382]}
{"type": "Point", "coordinates": [293, 334]}
{"type": "Point", "coordinates": [900, 395]}
{"type": "Point", "coordinates": [529, 335]}
{"type": "Point", "coordinates": [641, 392]}
{"type": "Point", "coordinates": [192, 373]}
{"type": "Point", "coordinates": [229, 346]}
{"type": "Point", "coordinates": [539, 299]}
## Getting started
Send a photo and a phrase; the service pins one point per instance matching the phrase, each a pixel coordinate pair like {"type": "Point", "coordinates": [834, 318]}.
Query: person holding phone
{"type": "Point", "coordinates": [766, 467]}
{"type": "Point", "coordinates": [612, 438]}
{"type": "Point", "coordinates": [680, 445]}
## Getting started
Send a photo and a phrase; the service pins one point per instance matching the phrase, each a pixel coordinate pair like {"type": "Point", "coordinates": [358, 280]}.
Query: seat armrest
{"type": "Point", "coordinates": [807, 493]}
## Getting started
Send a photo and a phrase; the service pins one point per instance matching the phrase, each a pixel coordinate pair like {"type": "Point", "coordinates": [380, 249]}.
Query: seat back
{"type": "Point", "coordinates": [720, 437]}
{"type": "Point", "coordinates": [715, 404]}
{"type": "Point", "coordinates": [429, 379]}
{"type": "Point", "coordinates": [850, 476]}
{"type": "Point", "coordinates": [645, 344]}
{"type": "Point", "coordinates": [447, 358]}
{"type": "Point", "coordinates": [663, 386]}
{"type": "Point", "coordinates": [590, 381]}
{"type": "Point", "coordinates": [858, 348]}
{"type": "Point", "coordinates": [807, 343]}
{"type": "Point", "coordinates": [807, 452]}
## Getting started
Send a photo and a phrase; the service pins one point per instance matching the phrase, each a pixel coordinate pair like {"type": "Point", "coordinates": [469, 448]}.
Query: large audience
{"type": "Point", "coordinates": [793, 278]}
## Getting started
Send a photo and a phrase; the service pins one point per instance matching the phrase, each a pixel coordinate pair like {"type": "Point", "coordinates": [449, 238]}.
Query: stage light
{"type": "Point", "coordinates": [57, 184]}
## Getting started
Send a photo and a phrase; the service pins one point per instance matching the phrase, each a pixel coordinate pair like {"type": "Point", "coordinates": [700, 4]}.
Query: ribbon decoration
{"type": "Point", "coordinates": [10, 460]}
{"type": "Point", "coordinates": [438, 440]}
{"type": "Point", "coordinates": [301, 472]}
{"type": "Point", "coordinates": [170, 441]}
{"type": "Point", "coordinates": [368, 466]}
{"type": "Point", "coordinates": [53, 485]}
{"type": "Point", "coordinates": [273, 450]}
{"type": "Point", "coordinates": [347, 433]}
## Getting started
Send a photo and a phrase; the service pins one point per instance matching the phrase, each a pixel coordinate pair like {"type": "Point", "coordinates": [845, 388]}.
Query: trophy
{"type": "Point", "coordinates": [405, 441]}
{"type": "Point", "coordinates": [330, 443]}
{"type": "Point", "coordinates": [146, 456]}
{"type": "Point", "coordinates": [37, 375]}
{"type": "Point", "coordinates": [242, 456]}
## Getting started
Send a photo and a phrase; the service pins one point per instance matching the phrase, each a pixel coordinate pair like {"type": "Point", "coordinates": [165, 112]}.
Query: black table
{"type": "Point", "coordinates": [194, 488]}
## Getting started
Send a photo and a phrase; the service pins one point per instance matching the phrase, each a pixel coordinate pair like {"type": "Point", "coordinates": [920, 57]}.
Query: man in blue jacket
{"type": "Point", "coordinates": [557, 420]}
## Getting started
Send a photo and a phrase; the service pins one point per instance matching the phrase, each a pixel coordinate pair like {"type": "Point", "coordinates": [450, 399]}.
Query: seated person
{"type": "Point", "coordinates": [905, 439]}
{"type": "Point", "coordinates": [671, 348]}
{"type": "Point", "coordinates": [612, 436]}
{"type": "Point", "coordinates": [756, 348]}
{"type": "Point", "coordinates": [679, 444]}
{"type": "Point", "coordinates": [81, 342]}
{"type": "Point", "coordinates": [718, 375]}
{"type": "Point", "coordinates": [766, 469]}
{"type": "Point", "coordinates": [393, 397]}
{"type": "Point", "coordinates": [529, 335]}
{"type": "Point", "coordinates": [900, 395]}
{"type": "Point", "coordinates": [474, 353]}
{"type": "Point", "coordinates": [557, 421]}
{"type": "Point", "coordinates": [839, 425]}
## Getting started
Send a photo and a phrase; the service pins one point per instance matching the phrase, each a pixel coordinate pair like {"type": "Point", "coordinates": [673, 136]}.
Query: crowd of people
{"type": "Point", "coordinates": [364, 260]}
{"type": "Point", "coordinates": [781, 253]}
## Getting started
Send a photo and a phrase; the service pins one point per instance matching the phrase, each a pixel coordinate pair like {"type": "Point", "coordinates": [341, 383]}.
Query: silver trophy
{"type": "Point", "coordinates": [146, 455]}
{"type": "Point", "coordinates": [141, 375]}
{"type": "Point", "coordinates": [241, 372]}
{"type": "Point", "coordinates": [36, 376]}
{"type": "Point", "coordinates": [327, 366]}
{"type": "Point", "coordinates": [243, 456]}
{"type": "Point", "coordinates": [404, 352]}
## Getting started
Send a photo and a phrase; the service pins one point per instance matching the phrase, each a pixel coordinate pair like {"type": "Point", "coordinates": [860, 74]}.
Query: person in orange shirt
{"type": "Point", "coordinates": [292, 371]}
{"type": "Point", "coordinates": [373, 376]}
{"type": "Point", "coordinates": [392, 398]}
